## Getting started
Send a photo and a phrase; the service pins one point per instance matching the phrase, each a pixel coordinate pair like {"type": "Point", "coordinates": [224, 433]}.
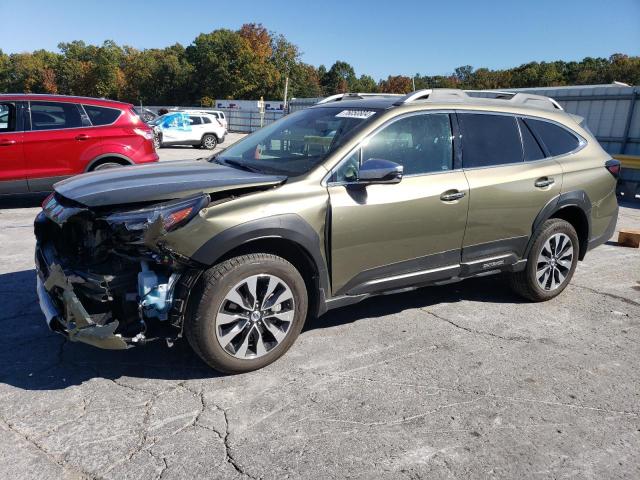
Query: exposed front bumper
{"type": "Point", "coordinates": [63, 310]}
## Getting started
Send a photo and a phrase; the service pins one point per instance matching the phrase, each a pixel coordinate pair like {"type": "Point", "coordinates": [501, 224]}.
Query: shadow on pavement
{"type": "Point", "coordinates": [34, 358]}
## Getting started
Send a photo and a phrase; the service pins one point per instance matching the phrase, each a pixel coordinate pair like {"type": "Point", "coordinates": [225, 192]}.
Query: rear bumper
{"type": "Point", "coordinates": [63, 309]}
{"type": "Point", "coordinates": [608, 233]}
{"type": "Point", "coordinates": [147, 158]}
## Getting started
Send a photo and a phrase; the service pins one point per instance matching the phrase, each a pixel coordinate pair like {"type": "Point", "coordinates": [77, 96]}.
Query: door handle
{"type": "Point", "coordinates": [544, 182]}
{"type": "Point", "coordinates": [452, 195]}
{"type": "Point", "coordinates": [6, 143]}
{"type": "Point", "coordinates": [82, 136]}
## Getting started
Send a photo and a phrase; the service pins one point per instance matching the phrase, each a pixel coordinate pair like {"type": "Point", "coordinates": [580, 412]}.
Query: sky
{"type": "Point", "coordinates": [400, 37]}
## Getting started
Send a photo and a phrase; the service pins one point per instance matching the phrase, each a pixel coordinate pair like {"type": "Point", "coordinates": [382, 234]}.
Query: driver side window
{"type": "Point", "coordinates": [420, 143]}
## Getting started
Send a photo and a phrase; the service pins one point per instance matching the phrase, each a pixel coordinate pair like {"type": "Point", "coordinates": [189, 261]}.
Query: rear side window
{"type": "Point", "coordinates": [7, 117]}
{"type": "Point", "coordinates": [54, 116]}
{"type": "Point", "coordinates": [532, 149]}
{"type": "Point", "coordinates": [489, 140]}
{"type": "Point", "coordinates": [206, 119]}
{"type": "Point", "coordinates": [557, 140]}
{"type": "Point", "coordinates": [101, 115]}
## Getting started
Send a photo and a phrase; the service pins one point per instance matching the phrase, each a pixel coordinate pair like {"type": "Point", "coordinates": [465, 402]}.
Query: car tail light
{"type": "Point", "coordinates": [45, 202]}
{"type": "Point", "coordinates": [146, 133]}
{"type": "Point", "coordinates": [613, 166]}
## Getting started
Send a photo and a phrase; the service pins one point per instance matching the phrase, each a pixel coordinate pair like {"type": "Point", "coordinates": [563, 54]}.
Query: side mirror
{"type": "Point", "coordinates": [378, 170]}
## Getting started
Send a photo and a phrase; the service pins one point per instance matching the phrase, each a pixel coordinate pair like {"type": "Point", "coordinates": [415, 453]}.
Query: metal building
{"type": "Point", "coordinates": [611, 112]}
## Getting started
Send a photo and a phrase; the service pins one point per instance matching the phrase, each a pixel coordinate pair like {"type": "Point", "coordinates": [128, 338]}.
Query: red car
{"type": "Point", "coordinates": [46, 138]}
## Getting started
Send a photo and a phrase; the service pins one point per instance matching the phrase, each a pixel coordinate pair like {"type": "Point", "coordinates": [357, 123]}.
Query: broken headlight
{"type": "Point", "coordinates": [173, 214]}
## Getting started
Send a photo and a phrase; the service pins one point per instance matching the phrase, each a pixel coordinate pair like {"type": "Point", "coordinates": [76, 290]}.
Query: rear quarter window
{"type": "Point", "coordinates": [489, 140]}
{"type": "Point", "coordinates": [557, 139]}
{"type": "Point", "coordinates": [101, 115]}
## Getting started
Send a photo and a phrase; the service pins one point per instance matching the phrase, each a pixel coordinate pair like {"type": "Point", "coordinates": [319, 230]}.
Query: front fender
{"type": "Point", "coordinates": [286, 226]}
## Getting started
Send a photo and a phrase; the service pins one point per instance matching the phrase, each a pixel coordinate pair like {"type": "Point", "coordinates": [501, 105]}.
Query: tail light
{"type": "Point", "coordinates": [144, 132]}
{"type": "Point", "coordinates": [613, 166]}
{"type": "Point", "coordinates": [48, 202]}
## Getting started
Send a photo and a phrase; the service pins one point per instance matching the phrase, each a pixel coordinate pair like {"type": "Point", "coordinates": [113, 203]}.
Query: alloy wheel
{"type": "Point", "coordinates": [255, 316]}
{"type": "Point", "coordinates": [554, 262]}
{"type": "Point", "coordinates": [209, 142]}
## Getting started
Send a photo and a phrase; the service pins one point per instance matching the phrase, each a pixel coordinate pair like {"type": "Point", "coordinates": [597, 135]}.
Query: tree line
{"type": "Point", "coordinates": [253, 62]}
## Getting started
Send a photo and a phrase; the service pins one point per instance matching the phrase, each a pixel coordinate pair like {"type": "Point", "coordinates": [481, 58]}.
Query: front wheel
{"type": "Point", "coordinates": [551, 262]}
{"type": "Point", "coordinates": [246, 312]}
{"type": "Point", "coordinates": [209, 141]}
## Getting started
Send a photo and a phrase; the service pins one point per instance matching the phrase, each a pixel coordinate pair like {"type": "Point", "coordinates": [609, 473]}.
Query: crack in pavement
{"type": "Point", "coordinates": [474, 331]}
{"type": "Point", "coordinates": [229, 458]}
{"type": "Point", "coordinates": [482, 394]}
{"type": "Point", "coordinates": [389, 423]}
{"type": "Point", "coordinates": [607, 294]}
{"type": "Point", "coordinates": [60, 461]}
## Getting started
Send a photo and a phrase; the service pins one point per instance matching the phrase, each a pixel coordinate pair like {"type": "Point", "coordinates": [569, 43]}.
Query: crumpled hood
{"type": "Point", "coordinates": [159, 181]}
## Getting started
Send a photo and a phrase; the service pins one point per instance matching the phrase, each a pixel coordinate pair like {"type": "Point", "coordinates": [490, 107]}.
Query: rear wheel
{"type": "Point", "coordinates": [551, 262]}
{"type": "Point", "coordinates": [246, 312]}
{"type": "Point", "coordinates": [106, 165]}
{"type": "Point", "coordinates": [209, 141]}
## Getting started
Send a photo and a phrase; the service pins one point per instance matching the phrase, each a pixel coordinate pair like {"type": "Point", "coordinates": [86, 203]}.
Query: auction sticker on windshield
{"type": "Point", "coordinates": [355, 114]}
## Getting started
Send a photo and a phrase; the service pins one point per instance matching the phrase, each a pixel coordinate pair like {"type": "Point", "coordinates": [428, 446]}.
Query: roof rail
{"type": "Point", "coordinates": [539, 101]}
{"type": "Point", "coordinates": [352, 95]}
{"type": "Point", "coordinates": [521, 98]}
{"type": "Point", "coordinates": [452, 94]}
{"type": "Point", "coordinates": [433, 94]}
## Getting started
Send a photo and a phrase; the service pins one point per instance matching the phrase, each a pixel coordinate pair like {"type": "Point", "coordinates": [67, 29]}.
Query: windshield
{"type": "Point", "coordinates": [298, 142]}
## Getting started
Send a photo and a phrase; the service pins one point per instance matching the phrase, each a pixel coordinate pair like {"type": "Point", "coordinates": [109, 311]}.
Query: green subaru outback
{"type": "Point", "coordinates": [359, 195]}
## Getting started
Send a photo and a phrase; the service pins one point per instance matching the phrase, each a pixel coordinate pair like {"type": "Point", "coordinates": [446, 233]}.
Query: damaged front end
{"type": "Point", "coordinates": [106, 276]}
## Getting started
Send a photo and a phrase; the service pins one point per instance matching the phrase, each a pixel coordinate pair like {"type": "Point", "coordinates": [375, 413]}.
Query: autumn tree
{"type": "Point", "coordinates": [253, 62]}
{"type": "Point", "coordinates": [396, 84]}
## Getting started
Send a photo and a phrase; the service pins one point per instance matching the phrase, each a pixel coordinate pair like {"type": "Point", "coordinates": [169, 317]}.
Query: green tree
{"type": "Point", "coordinates": [33, 72]}
{"type": "Point", "coordinates": [339, 79]}
{"type": "Point", "coordinates": [366, 84]}
{"type": "Point", "coordinates": [222, 62]}
{"type": "Point", "coordinates": [5, 70]}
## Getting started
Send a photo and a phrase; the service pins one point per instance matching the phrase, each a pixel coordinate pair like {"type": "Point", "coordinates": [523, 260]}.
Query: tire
{"type": "Point", "coordinates": [555, 267]}
{"type": "Point", "coordinates": [105, 166]}
{"type": "Point", "coordinates": [209, 141]}
{"type": "Point", "coordinates": [239, 341]}
{"type": "Point", "coordinates": [157, 142]}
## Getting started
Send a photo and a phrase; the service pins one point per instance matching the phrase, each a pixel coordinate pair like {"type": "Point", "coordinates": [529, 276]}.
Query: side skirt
{"type": "Point", "coordinates": [412, 281]}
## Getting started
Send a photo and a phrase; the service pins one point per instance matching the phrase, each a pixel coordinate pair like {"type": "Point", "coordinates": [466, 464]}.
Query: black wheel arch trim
{"type": "Point", "coordinates": [574, 198]}
{"type": "Point", "coordinates": [289, 227]}
{"type": "Point", "coordinates": [101, 157]}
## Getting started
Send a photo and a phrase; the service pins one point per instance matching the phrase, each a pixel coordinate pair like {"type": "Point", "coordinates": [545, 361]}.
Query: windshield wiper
{"type": "Point", "coordinates": [237, 164]}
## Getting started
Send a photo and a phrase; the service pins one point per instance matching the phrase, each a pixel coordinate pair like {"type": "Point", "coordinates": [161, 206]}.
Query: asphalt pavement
{"type": "Point", "coordinates": [459, 381]}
